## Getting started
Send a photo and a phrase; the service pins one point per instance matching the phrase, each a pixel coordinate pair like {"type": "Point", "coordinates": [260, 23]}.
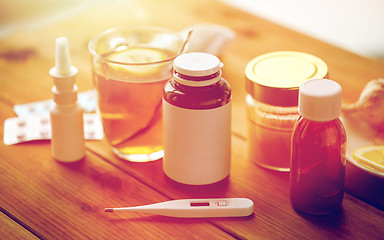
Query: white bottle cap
{"type": "Point", "coordinates": [320, 100]}
{"type": "Point", "coordinates": [197, 64]}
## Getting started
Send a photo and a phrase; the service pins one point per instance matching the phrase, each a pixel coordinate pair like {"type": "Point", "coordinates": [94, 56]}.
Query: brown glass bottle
{"type": "Point", "coordinates": [318, 150]}
{"type": "Point", "coordinates": [197, 121]}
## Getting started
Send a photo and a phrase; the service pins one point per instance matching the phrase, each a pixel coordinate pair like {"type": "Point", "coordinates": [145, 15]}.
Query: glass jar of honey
{"type": "Point", "coordinates": [272, 84]}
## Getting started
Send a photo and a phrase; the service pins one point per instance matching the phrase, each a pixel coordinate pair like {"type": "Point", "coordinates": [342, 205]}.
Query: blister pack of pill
{"type": "Point", "coordinates": [87, 100]}
{"type": "Point", "coordinates": [38, 127]}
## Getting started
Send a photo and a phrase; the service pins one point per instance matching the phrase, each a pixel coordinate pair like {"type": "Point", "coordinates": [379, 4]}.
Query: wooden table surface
{"type": "Point", "coordinates": [41, 198]}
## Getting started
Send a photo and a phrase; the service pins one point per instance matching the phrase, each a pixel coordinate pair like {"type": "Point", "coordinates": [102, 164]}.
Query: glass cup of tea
{"type": "Point", "coordinates": [130, 67]}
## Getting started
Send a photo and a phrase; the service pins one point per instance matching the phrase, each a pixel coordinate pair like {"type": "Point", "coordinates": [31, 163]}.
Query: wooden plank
{"type": "Point", "coordinates": [274, 217]}
{"type": "Point", "coordinates": [10, 229]}
{"type": "Point", "coordinates": [66, 201]}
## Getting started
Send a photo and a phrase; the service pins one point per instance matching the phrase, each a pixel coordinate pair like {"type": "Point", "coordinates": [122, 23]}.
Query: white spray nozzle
{"type": "Point", "coordinates": [63, 72]}
{"type": "Point", "coordinates": [63, 59]}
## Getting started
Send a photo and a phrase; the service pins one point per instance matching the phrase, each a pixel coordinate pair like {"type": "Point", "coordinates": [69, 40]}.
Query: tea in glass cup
{"type": "Point", "coordinates": [130, 67]}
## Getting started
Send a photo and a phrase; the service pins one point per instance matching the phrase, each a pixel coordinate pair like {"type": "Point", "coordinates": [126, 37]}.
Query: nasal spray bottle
{"type": "Point", "coordinates": [67, 142]}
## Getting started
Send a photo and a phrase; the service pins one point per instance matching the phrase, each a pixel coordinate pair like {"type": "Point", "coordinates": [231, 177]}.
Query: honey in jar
{"type": "Point", "coordinates": [272, 84]}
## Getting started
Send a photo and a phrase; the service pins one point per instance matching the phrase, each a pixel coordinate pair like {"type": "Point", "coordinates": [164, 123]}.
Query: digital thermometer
{"type": "Point", "coordinates": [195, 208]}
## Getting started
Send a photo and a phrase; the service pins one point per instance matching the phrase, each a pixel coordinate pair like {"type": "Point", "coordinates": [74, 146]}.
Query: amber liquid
{"type": "Point", "coordinates": [269, 147]}
{"type": "Point", "coordinates": [317, 166]}
{"type": "Point", "coordinates": [130, 105]}
{"type": "Point", "coordinates": [269, 134]}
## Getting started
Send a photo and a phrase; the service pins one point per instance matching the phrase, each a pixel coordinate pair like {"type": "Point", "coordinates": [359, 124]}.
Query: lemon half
{"type": "Point", "coordinates": [371, 157]}
{"type": "Point", "coordinates": [137, 55]}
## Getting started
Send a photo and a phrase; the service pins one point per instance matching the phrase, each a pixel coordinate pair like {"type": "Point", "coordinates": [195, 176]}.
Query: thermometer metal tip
{"type": "Point", "coordinates": [108, 210]}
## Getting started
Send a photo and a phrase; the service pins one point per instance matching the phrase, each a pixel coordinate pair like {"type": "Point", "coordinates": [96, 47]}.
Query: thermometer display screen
{"type": "Point", "coordinates": [199, 204]}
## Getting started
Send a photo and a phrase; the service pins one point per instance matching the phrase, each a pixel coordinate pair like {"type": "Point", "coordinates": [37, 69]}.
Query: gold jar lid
{"type": "Point", "coordinates": [274, 78]}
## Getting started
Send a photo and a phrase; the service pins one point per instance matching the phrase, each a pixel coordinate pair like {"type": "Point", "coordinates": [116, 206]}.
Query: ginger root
{"type": "Point", "coordinates": [370, 105]}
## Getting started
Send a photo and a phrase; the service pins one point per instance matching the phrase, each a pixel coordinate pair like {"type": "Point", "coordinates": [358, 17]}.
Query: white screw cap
{"type": "Point", "coordinates": [197, 64]}
{"type": "Point", "coordinates": [320, 100]}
